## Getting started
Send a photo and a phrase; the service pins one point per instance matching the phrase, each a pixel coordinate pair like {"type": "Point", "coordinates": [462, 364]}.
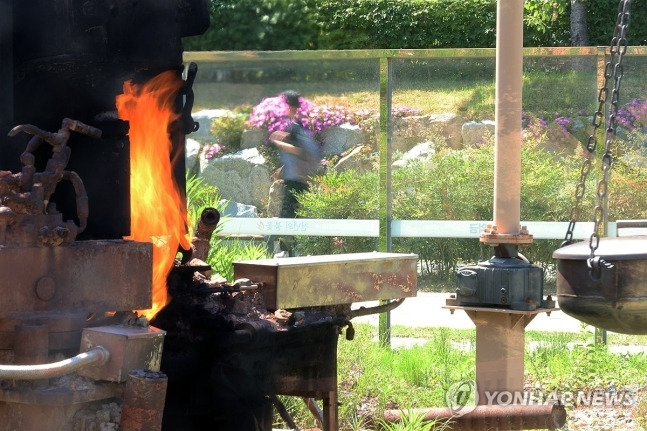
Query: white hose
{"type": "Point", "coordinates": [97, 355]}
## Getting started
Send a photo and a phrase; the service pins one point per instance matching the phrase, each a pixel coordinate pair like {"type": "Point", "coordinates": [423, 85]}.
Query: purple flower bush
{"type": "Point", "coordinates": [633, 115]}
{"type": "Point", "coordinates": [272, 115]}
{"type": "Point", "coordinates": [538, 130]}
{"type": "Point", "coordinates": [213, 151]}
{"type": "Point", "coordinates": [403, 111]}
{"type": "Point", "coordinates": [563, 122]}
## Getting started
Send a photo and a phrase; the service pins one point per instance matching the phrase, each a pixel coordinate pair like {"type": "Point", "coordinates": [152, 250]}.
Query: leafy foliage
{"type": "Point", "coordinates": [225, 251]}
{"type": "Point", "coordinates": [345, 195]}
{"type": "Point", "coordinates": [273, 25]}
{"type": "Point", "coordinates": [457, 185]}
{"type": "Point", "coordinates": [388, 24]}
{"type": "Point", "coordinates": [411, 421]}
{"type": "Point", "coordinates": [546, 23]}
{"type": "Point", "coordinates": [585, 366]}
{"type": "Point", "coordinates": [228, 132]}
{"type": "Point", "coordinates": [601, 21]}
{"type": "Point", "coordinates": [258, 25]}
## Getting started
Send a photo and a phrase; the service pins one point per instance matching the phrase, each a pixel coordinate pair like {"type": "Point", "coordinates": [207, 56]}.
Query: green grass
{"type": "Point", "coordinates": [474, 100]}
{"type": "Point", "coordinates": [461, 85]}
{"type": "Point", "coordinates": [373, 379]}
{"type": "Point", "coordinates": [464, 86]}
{"type": "Point", "coordinates": [471, 98]}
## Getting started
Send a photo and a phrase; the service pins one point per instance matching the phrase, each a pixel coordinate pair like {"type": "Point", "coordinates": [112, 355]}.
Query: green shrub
{"type": "Point", "coordinates": [228, 132]}
{"type": "Point", "coordinates": [627, 184]}
{"type": "Point", "coordinates": [258, 25]}
{"type": "Point", "coordinates": [546, 23]}
{"type": "Point", "coordinates": [225, 251]}
{"type": "Point", "coordinates": [389, 24]}
{"type": "Point", "coordinates": [272, 25]}
{"type": "Point", "coordinates": [454, 185]}
{"type": "Point", "coordinates": [601, 20]}
{"type": "Point", "coordinates": [345, 195]}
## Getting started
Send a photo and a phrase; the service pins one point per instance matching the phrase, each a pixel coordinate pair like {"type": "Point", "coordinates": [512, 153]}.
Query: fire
{"type": "Point", "coordinates": [158, 212]}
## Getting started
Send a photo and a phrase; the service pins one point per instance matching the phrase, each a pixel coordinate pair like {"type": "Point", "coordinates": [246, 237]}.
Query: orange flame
{"type": "Point", "coordinates": [158, 213]}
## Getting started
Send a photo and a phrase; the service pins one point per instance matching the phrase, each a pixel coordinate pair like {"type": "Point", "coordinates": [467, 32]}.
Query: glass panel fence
{"type": "Point", "coordinates": [438, 100]}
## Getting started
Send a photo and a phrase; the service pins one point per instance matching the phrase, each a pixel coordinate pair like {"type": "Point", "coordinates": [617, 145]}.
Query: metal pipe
{"type": "Point", "coordinates": [207, 223]}
{"type": "Point", "coordinates": [311, 403]}
{"type": "Point", "coordinates": [98, 355]}
{"type": "Point", "coordinates": [143, 401]}
{"type": "Point", "coordinates": [283, 412]}
{"type": "Point", "coordinates": [205, 226]}
{"type": "Point", "coordinates": [382, 308]}
{"type": "Point", "coordinates": [550, 416]}
{"type": "Point", "coordinates": [623, 224]}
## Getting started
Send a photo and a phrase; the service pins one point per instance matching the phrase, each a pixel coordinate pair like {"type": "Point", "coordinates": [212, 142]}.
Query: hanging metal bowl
{"type": "Point", "coordinates": [614, 299]}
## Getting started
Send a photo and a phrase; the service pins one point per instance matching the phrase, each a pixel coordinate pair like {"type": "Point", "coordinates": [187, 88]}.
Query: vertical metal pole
{"type": "Point", "coordinates": [385, 215]}
{"type": "Point", "coordinates": [330, 411]}
{"type": "Point", "coordinates": [509, 80]}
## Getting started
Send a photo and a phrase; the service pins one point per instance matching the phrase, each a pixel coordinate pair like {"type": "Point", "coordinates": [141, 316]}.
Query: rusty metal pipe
{"type": "Point", "coordinates": [82, 205]}
{"type": "Point", "coordinates": [144, 399]}
{"type": "Point", "coordinates": [382, 308]}
{"type": "Point", "coordinates": [98, 355]}
{"type": "Point", "coordinates": [207, 223]}
{"type": "Point", "coordinates": [204, 229]}
{"type": "Point", "coordinates": [550, 416]}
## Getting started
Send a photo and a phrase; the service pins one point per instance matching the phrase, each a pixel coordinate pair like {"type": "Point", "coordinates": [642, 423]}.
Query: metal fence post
{"type": "Point", "coordinates": [385, 198]}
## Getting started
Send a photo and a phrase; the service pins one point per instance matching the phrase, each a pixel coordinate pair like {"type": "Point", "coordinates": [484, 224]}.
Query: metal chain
{"type": "Point", "coordinates": [613, 69]}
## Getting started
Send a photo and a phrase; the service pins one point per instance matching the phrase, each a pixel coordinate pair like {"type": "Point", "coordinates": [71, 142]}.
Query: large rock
{"type": "Point", "coordinates": [358, 161]}
{"type": "Point", "coordinates": [192, 151]}
{"type": "Point", "coordinates": [204, 119]}
{"type": "Point", "coordinates": [340, 138]}
{"type": "Point", "coordinates": [410, 131]}
{"type": "Point", "coordinates": [475, 133]}
{"type": "Point", "coordinates": [240, 177]}
{"type": "Point", "coordinates": [253, 138]}
{"type": "Point", "coordinates": [581, 128]}
{"type": "Point", "coordinates": [420, 153]}
{"type": "Point", "coordinates": [275, 200]}
{"type": "Point", "coordinates": [237, 209]}
{"type": "Point", "coordinates": [559, 141]}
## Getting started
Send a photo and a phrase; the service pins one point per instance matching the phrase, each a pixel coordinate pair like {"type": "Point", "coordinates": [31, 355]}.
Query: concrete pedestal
{"type": "Point", "coordinates": [500, 346]}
